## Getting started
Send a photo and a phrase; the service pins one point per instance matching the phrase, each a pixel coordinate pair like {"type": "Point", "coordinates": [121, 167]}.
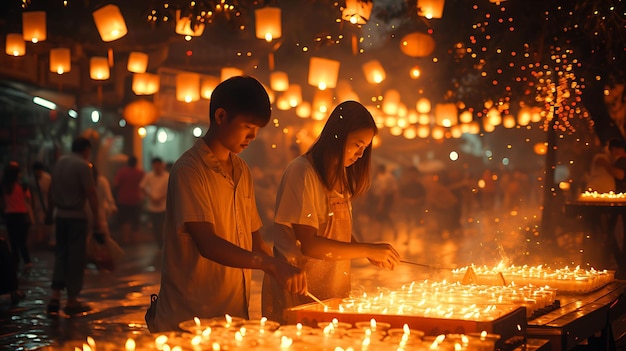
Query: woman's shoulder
{"type": "Point", "coordinates": [300, 166]}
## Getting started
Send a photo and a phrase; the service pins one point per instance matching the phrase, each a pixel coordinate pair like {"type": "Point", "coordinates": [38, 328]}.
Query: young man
{"type": "Point", "coordinates": [212, 237]}
{"type": "Point", "coordinates": [154, 187]}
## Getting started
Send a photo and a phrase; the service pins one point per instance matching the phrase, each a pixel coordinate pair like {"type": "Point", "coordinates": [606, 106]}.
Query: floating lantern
{"type": "Point", "coordinates": [344, 91]}
{"type": "Point", "coordinates": [323, 72]}
{"type": "Point", "coordinates": [540, 148]}
{"type": "Point", "coordinates": [415, 72]}
{"type": "Point", "coordinates": [423, 131]}
{"type": "Point", "coordinates": [145, 83]}
{"type": "Point", "coordinates": [304, 110]}
{"type": "Point", "coordinates": [184, 27]}
{"type": "Point", "coordinates": [374, 72]}
{"type": "Point", "coordinates": [268, 24]}
{"type": "Point", "coordinates": [446, 114]}
{"type": "Point", "coordinates": [279, 81]}
{"type": "Point", "coordinates": [15, 45]}
{"type": "Point", "coordinates": [110, 22]}
{"type": "Point", "coordinates": [508, 121]}
{"type": "Point", "coordinates": [423, 119]}
{"type": "Point", "coordinates": [438, 133]}
{"type": "Point", "coordinates": [488, 127]}
{"type": "Point", "coordinates": [466, 117]}
{"type": "Point", "coordinates": [228, 72]}
{"type": "Point", "coordinates": [410, 133]}
{"type": "Point", "coordinates": [423, 105]}
{"type": "Point", "coordinates": [524, 116]}
{"type": "Point", "coordinates": [456, 131]}
{"type": "Point", "coordinates": [294, 95]}
{"type": "Point", "coordinates": [357, 11]}
{"type": "Point", "coordinates": [493, 117]}
{"type": "Point", "coordinates": [140, 113]}
{"type": "Point", "coordinates": [137, 62]}
{"type": "Point", "coordinates": [282, 103]}
{"type": "Point", "coordinates": [187, 87]}
{"type": "Point", "coordinates": [99, 68]}
{"type": "Point", "coordinates": [391, 101]}
{"type": "Point", "coordinates": [430, 8]}
{"type": "Point", "coordinates": [322, 101]}
{"type": "Point", "coordinates": [412, 116]}
{"type": "Point", "coordinates": [34, 26]}
{"type": "Point", "coordinates": [417, 44]}
{"type": "Point", "coordinates": [209, 83]}
{"type": "Point", "coordinates": [60, 60]}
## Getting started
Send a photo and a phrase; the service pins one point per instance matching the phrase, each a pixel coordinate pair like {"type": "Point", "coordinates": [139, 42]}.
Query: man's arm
{"type": "Point", "coordinates": [226, 253]}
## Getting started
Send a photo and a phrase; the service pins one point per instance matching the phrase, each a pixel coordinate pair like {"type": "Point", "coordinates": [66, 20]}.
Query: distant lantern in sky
{"type": "Point", "coordinates": [187, 87]}
{"type": "Point", "coordinates": [34, 26]}
{"type": "Point", "coordinates": [391, 102]}
{"type": "Point", "coordinates": [357, 11]}
{"type": "Point", "coordinates": [322, 103]}
{"type": "Point", "coordinates": [209, 83]}
{"type": "Point", "coordinates": [15, 45]}
{"type": "Point", "coordinates": [423, 105]}
{"type": "Point", "coordinates": [279, 81]}
{"type": "Point", "coordinates": [446, 114]}
{"type": "Point", "coordinates": [294, 95]}
{"type": "Point", "coordinates": [60, 60]}
{"type": "Point", "coordinates": [110, 22]}
{"type": "Point", "coordinates": [323, 72]}
{"type": "Point", "coordinates": [417, 44]}
{"type": "Point", "coordinates": [508, 121]}
{"type": "Point", "coordinates": [430, 8]}
{"type": "Point", "coordinates": [267, 20]}
{"type": "Point", "coordinates": [137, 62]}
{"type": "Point", "coordinates": [99, 68]}
{"type": "Point", "coordinates": [415, 72]}
{"type": "Point", "coordinates": [374, 72]}
{"type": "Point", "coordinates": [140, 113]}
{"type": "Point", "coordinates": [466, 117]}
{"type": "Point", "coordinates": [146, 83]}
{"type": "Point", "coordinates": [228, 72]}
{"type": "Point", "coordinates": [184, 26]}
{"type": "Point", "coordinates": [304, 110]}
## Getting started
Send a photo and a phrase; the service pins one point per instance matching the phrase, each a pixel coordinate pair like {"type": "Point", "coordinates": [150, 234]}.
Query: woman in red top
{"type": "Point", "coordinates": [16, 212]}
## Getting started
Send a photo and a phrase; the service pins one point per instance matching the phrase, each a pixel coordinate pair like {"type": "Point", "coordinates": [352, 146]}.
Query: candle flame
{"type": "Point", "coordinates": [406, 329]}
{"type": "Point", "coordinates": [229, 319]}
{"type": "Point", "coordinates": [196, 340]}
{"type": "Point", "coordinates": [373, 323]}
{"type": "Point", "coordinates": [91, 342]}
{"type": "Point", "coordinates": [299, 326]}
{"type": "Point", "coordinates": [160, 341]}
{"type": "Point", "coordinates": [197, 321]}
{"type": "Point", "coordinates": [483, 334]}
{"type": "Point", "coordinates": [216, 347]}
{"type": "Point", "coordinates": [285, 342]}
{"type": "Point", "coordinates": [86, 347]}
{"type": "Point", "coordinates": [130, 345]}
{"type": "Point", "coordinates": [263, 320]}
{"type": "Point", "coordinates": [238, 336]}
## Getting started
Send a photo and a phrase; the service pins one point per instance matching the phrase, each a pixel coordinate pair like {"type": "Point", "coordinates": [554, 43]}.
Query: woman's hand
{"type": "Point", "coordinates": [383, 255]}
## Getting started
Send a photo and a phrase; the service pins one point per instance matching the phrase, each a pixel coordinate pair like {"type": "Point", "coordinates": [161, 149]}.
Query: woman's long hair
{"type": "Point", "coordinates": [10, 177]}
{"type": "Point", "coordinates": [327, 152]}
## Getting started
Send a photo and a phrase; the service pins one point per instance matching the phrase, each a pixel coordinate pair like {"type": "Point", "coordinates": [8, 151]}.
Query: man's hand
{"type": "Point", "coordinates": [290, 277]}
{"type": "Point", "coordinates": [383, 255]}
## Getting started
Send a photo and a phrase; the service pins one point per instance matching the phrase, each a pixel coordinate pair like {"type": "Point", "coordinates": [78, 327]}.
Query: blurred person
{"type": "Point", "coordinates": [384, 188]}
{"type": "Point", "coordinates": [154, 187]}
{"type": "Point", "coordinates": [412, 196]}
{"type": "Point", "coordinates": [440, 202]}
{"type": "Point", "coordinates": [212, 238]}
{"type": "Point", "coordinates": [40, 186]}
{"type": "Point", "coordinates": [16, 199]}
{"type": "Point", "coordinates": [129, 199]}
{"type": "Point", "coordinates": [313, 220]}
{"type": "Point", "coordinates": [71, 188]}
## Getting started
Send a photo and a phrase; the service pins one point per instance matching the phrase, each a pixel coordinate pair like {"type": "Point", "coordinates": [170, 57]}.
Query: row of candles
{"type": "Point", "coordinates": [230, 333]}
{"type": "Point", "coordinates": [573, 280]}
{"type": "Point", "coordinates": [596, 196]}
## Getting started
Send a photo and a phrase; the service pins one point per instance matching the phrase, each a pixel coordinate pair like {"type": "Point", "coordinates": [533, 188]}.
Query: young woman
{"type": "Point", "coordinates": [16, 199]}
{"type": "Point", "coordinates": [313, 220]}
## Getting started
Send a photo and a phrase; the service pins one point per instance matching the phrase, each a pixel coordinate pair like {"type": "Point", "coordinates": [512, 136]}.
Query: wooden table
{"type": "Point", "coordinates": [582, 317]}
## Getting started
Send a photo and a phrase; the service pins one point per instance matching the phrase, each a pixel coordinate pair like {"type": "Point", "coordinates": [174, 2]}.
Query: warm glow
{"type": "Point", "coordinates": [279, 81]}
{"type": "Point", "coordinates": [294, 95]}
{"type": "Point", "coordinates": [228, 72]}
{"type": "Point", "coordinates": [391, 101]}
{"type": "Point", "coordinates": [430, 8]}
{"type": "Point", "coordinates": [60, 60]}
{"type": "Point", "coordinates": [415, 72]}
{"type": "Point", "coordinates": [417, 44]}
{"type": "Point", "coordinates": [137, 62]}
{"type": "Point", "coordinates": [209, 83]}
{"type": "Point", "coordinates": [140, 113]}
{"type": "Point", "coordinates": [34, 26]}
{"type": "Point", "coordinates": [183, 26]}
{"type": "Point", "coordinates": [540, 148]}
{"type": "Point", "coordinates": [446, 114]}
{"type": "Point", "coordinates": [268, 23]}
{"type": "Point", "coordinates": [357, 12]}
{"type": "Point", "coordinates": [99, 68]}
{"type": "Point", "coordinates": [374, 72]}
{"type": "Point", "coordinates": [15, 45]}
{"type": "Point", "coordinates": [304, 110]}
{"type": "Point", "coordinates": [423, 105]}
{"type": "Point", "coordinates": [323, 72]}
{"type": "Point", "coordinates": [110, 22]}
{"type": "Point", "coordinates": [508, 121]}
{"type": "Point", "coordinates": [145, 83]}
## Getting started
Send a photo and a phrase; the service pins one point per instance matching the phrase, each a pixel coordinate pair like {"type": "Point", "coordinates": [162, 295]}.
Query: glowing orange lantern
{"type": "Point", "coordinates": [60, 60]}
{"type": "Point", "coordinates": [466, 117]}
{"type": "Point", "coordinates": [145, 83]}
{"type": "Point", "coordinates": [374, 72]}
{"type": "Point", "coordinates": [187, 87]}
{"type": "Point", "coordinates": [209, 83]}
{"type": "Point", "coordinates": [183, 26]}
{"type": "Point", "coordinates": [391, 101]}
{"type": "Point", "coordinates": [110, 22]}
{"type": "Point", "coordinates": [540, 148]}
{"type": "Point", "coordinates": [15, 45]}
{"type": "Point", "coordinates": [228, 72]}
{"type": "Point", "coordinates": [357, 11]}
{"type": "Point", "coordinates": [137, 62]}
{"type": "Point", "coordinates": [423, 131]}
{"type": "Point", "coordinates": [417, 44]}
{"type": "Point", "coordinates": [415, 72]}
{"type": "Point", "coordinates": [493, 117]}
{"type": "Point", "coordinates": [34, 26]}
{"type": "Point", "coordinates": [423, 105]}
{"type": "Point", "coordinates": [430, 8]}
{"type": "Point", "coordinates": [322, 101]}
{"type": "Point", "coordinates": [304, 110]}
{"type": "Point", "coordinates": [99, 68]}
{"type": "Point", "coordinates": [508, 121]}
{"type": "Point", "coordinates": [438, 132]}
{"type": "Point", "coordinates": [140, 113]}
{"type": "Point", "coordinates": [279, 81]}
{"type": "Point", "coordinates": [268, 25]}
{"type": "Point", "coordinates": [446, 114]}
{"type": "Point", "coordinates": [323, 72]}
{"type": "Point", "coordinates": [294, 95]}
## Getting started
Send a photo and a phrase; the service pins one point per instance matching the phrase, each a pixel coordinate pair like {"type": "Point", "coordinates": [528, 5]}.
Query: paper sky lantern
{"type": "Point", "coordinates": [417, 44]}
{"type": "Point", "coordinates": [304, 110]}
{"type": "Point", "coordinates": [279, 81]}
{"type": "Point", "coordinates": [34, 26]}
{"type": "Point", "coordinates": [184, 26]}
{"type": "Point", "coordinates": [209, 83]}
{"type": "Point", "coordinates": [446, 114]}
{"type": "Point", "coordinates": [422, 105]}
{"type": "Point", "coordinates": [294, 95]}
{"type": "Point", "coordinates": [110, 22]}
{"type": "Point", "coordinates": [323, 72]}
{"type": "Point", "coordinates": [508, 121]}
{"type": "Point", "coordinates": [60, 60]}
{"type": "Point", "coordinates": [466, 117]}
{"type": "Point", "coordinates": [374, 72]}
{"type": "Point", "coordinates": [145, 83]}
{"type": "Point", "coordinates": [357, 11]}
{"type": "Point", "coordinates": [15, 45]}
{"type": "Point", "coordinates": [391, 101]}
{"type": "Point", "coordinates": [430, 8]}
{"type": "Point", "coordinates": [267, 20]}
{"type": "Point", "coordinates": [137, 62]}
{"type": "Point", "coordinates": [187, 87]}
{"type": "Point", "coordinates": [228, 72]}
{"type": "Point", "coordinates": [140, 113]}
{"type": "Point", "coordinates": [99, 68]}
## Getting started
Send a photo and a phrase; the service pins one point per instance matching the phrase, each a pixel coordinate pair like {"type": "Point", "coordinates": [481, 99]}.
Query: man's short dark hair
{"type": "Point", "coordinates": [156, 159]}
{"type": "Point", "coordinates": [241, 95]}
{"type": "Point", "coordinates": [80, 144]}
{"type": "Point", "coordinates": [617, 143]}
